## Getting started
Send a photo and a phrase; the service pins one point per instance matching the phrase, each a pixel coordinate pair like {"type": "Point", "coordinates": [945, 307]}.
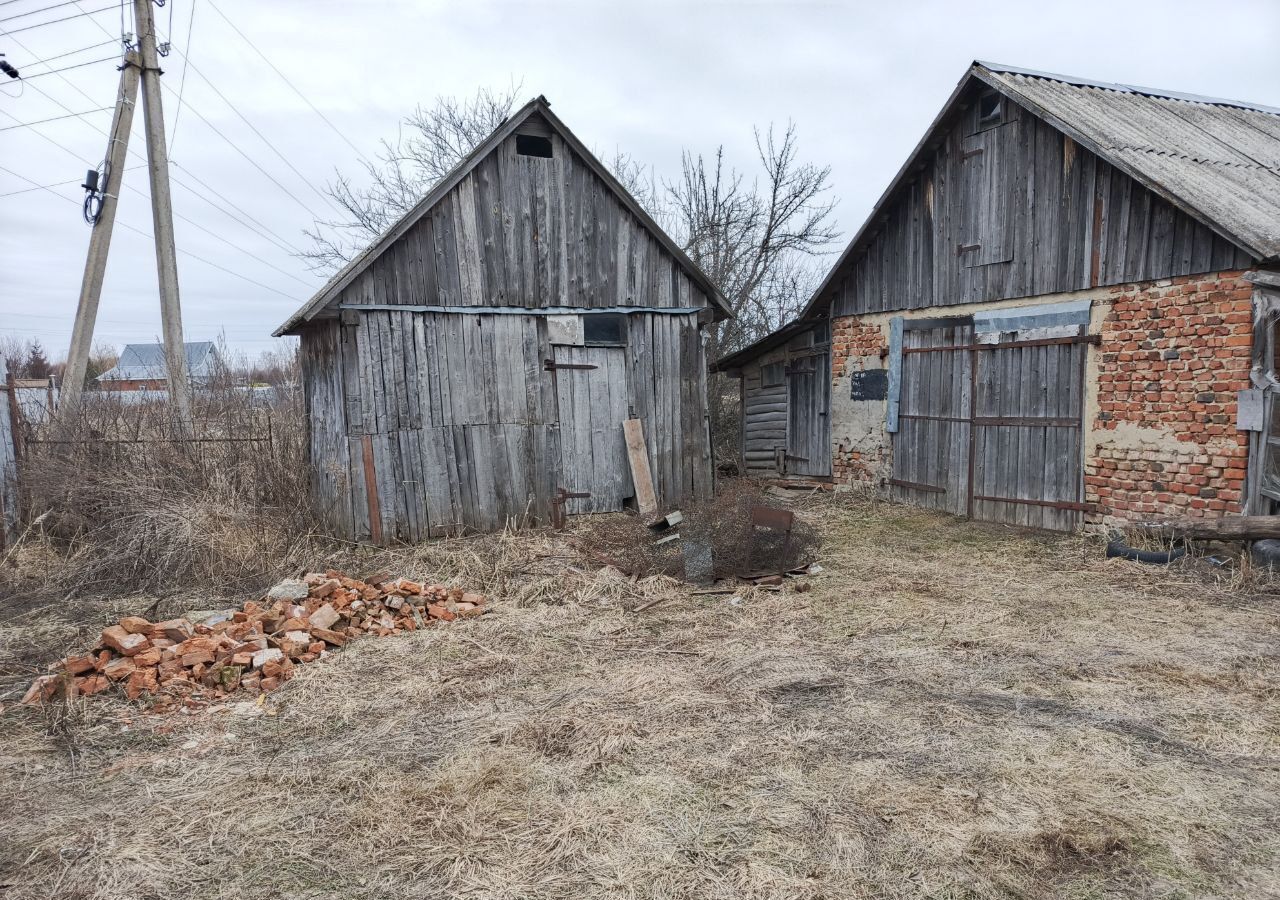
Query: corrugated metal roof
{"type": "Point", "coordinates": [146, 361]}
{"type": "Point", "coordinates": [1218, 160]}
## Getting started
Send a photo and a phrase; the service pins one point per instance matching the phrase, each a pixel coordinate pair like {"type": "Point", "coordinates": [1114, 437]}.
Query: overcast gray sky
{"type": "Point", "coordinates": [860, 80]}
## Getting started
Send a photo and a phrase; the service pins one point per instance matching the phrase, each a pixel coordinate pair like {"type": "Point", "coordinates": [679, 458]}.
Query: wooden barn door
{"type": "Point", "coordinates": [1028, 448]}
{"type": "Point", "coordinates": [591, 397]}
{"type": "Point", "coordinates": [808, 418]}
{"type": "Point", "coordinates": [931, 447]}
{"type": "Point", "coordinates": [991, 426]}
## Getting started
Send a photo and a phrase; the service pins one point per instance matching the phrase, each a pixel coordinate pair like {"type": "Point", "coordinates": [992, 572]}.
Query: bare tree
{"type": "Point", "coordinates": [432, 140]}
{"type": "Point", "coordinates": [760, 242]}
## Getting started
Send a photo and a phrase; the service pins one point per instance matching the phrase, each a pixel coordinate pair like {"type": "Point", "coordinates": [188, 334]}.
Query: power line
{"type": "Point", "coordinates": [66, 68]}
{"type": "Point", "coordinates": [91, 12]}
{"type": "Point", "coordinates": [32, 12]}
{"type": "Point", "coordinates": [253, 162]}
{"type": "Point", "coordinates": [57, 118]}
{"type": "Point", "coordinates": [49, 59]}
{"type": "Point", "coordinates": [266, 233]}
{"type": "Point", "coordinates": [235, 109]}
{"type": "Point", "coordinates": [148, 236]}
{"type": "Point", "coordinates": [178, 215]}
{"type": "Point", "coordinates": [182, 83]}
{"type": "Point", "coordinates": [336, 130]}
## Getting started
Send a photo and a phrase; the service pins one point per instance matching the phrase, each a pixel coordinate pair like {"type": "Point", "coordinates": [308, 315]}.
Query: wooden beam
{"type": "Point", "coordinates": [1231, 528]}
{"type": "Point", "coordinates": [641, 477]}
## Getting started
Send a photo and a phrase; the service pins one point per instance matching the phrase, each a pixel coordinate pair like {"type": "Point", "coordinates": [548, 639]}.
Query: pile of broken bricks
{"type": "Point", "coordinates": [253, 649]}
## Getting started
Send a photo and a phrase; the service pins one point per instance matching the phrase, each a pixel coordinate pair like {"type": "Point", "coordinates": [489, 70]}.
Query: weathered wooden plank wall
{"type": "Point", "coordinates": [792, 415]}
{"type": "Point", "coordinates": [764, 416]}
{"type": "Point", "coordinates": [1038, 215]}
{"type": "Point", "coordinates": [528, 231]}
{"type": "Point", "coordinates": [459, 420]}
{"type": "Point", "coordinates": [465, 424]}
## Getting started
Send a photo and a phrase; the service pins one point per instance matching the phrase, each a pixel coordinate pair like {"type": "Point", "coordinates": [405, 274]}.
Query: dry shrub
{"type": "Point", "coordinates": [723, 523]}
{"type": "Point", "coordinates": [118, 500]}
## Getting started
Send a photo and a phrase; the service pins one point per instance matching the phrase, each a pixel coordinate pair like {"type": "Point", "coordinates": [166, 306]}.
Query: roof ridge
{"type": "Point", "coordinates": [1123, 88]}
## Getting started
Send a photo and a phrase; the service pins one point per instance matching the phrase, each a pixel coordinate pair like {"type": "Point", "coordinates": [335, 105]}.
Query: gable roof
{"type": "Point", "coordinates": [1216, 160]}
{"type": "Point", "coordinates": [538, 106]}
{"type": "Point", "coordinates": [770, 341]}
{"type": "Point", "coordinates": [141, 362]}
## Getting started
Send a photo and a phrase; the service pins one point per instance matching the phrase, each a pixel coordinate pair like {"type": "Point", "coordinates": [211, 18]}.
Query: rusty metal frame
{"type": "Point", "coordinates": [559, 520]}
{"type": "Point", "coordinates": [1052, 504]}
{"type": "Point", "coordinates": [917, 486]}
{"type": "Point", "coordinates": [1009, 345]}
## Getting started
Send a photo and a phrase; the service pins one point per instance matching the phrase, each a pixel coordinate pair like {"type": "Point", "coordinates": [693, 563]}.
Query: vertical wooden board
{"type": "Point", "coordinates": [406, 487]}
{"type": "Point", "coordinates": [671, 378]}
{"type": "Point", "coordinates": [448, 277]}
{"type": "Point", "coordinates": [358, 500]}
{"type": "Point", "coordinates": [560, 210]}
{"type": "Point", "coordinates": [436, 487]}
{"type": "Point", "coordinates": [349, 360]}
{"type": "Point", "coordinates": [463, 473]}
{"type": "Point", "coordinates": [393, 364]}
{"type": "Point", "coordinates": [367, 348]}
{"type": "Point", "coordinates": [540, 405]}
{"type": "Point", "coordinates": [467, 243]}
{"type": "Point", "coordinates": [509, 191]}
{"type": "Point", "coordinates": [425, 374]}
{"type": "Point", "coordinates": [493, 459]}
{"type": "Point", "coordinates": [427, 260]}
{"type": "Point", "coordinates": [619, 413]}
{"type": "Point", "coordinates": [493, 258]}
{"type": "Point", "coordinates": [487, 360]}
{"type": "Point", "coordinates": [519, 440]}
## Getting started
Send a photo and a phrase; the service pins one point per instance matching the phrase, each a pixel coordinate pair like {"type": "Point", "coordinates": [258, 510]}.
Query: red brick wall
{"type": "Point", "coordinates": [134, 384]}
{"type": "Point", "coordinates": [1173, 354]}
{"type": "Point", "coordinates": [853, 340]}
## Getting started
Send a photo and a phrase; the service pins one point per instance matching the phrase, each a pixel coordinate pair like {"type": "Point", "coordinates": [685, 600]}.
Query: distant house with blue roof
{"type": "Point", "coordinates": [142, 367]}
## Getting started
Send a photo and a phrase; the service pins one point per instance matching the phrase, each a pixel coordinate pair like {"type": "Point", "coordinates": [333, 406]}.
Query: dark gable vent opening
{"type": "Point", "coordinates": [989, 108]}
{"type": "Point", "coordinates": [533, 145]}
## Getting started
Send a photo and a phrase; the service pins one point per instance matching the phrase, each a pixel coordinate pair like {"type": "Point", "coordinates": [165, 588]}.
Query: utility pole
{"type": "Point", "coordinates": [175, 354]}
{"type": "Point", "coordinates": [100, 240]}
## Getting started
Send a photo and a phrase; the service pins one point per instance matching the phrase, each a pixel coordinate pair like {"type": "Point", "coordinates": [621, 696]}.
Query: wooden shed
{"type": "Point", "coordinates": [1062, 310]}
{"type": "Point", "coordinates": [478, 361]}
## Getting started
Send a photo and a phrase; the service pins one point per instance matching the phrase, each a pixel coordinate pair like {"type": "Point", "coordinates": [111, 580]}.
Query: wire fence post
{"type": "Point", "coordinates": [8, 459]}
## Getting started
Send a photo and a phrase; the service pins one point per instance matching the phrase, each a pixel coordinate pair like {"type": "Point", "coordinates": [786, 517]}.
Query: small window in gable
{"type": "Point", "coordinates": [990, 109]}
{"type": "Point", "coordinates": [533, 145]}
{"type": "Point", "coordinates": [772, 375]}
{"type": "Point", "coordinates": [604, 330]}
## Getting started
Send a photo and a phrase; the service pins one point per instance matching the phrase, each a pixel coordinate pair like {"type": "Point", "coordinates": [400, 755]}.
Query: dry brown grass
{"type": "Point", "coordinates": [953, 710]}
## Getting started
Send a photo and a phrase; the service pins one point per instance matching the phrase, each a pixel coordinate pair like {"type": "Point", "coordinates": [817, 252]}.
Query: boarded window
{"type": "Point", "coordinates": [604, 330]}
{"type": "Point", "coordinates": [771, 375]}
{"type": "Point", "coordinates": [987, 167]}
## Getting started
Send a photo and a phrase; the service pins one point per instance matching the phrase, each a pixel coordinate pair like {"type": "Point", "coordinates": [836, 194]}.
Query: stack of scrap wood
{"type": "Point", "coordinates": [254, 648]}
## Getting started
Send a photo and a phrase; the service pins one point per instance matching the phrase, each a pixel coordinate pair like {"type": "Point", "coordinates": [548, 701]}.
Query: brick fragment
{"type": "Point", "coordinates": [124, 642]}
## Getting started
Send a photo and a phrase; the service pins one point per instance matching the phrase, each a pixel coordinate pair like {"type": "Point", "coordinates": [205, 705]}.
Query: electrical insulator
{"type": "Point", "coordinates": [8, 69]}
